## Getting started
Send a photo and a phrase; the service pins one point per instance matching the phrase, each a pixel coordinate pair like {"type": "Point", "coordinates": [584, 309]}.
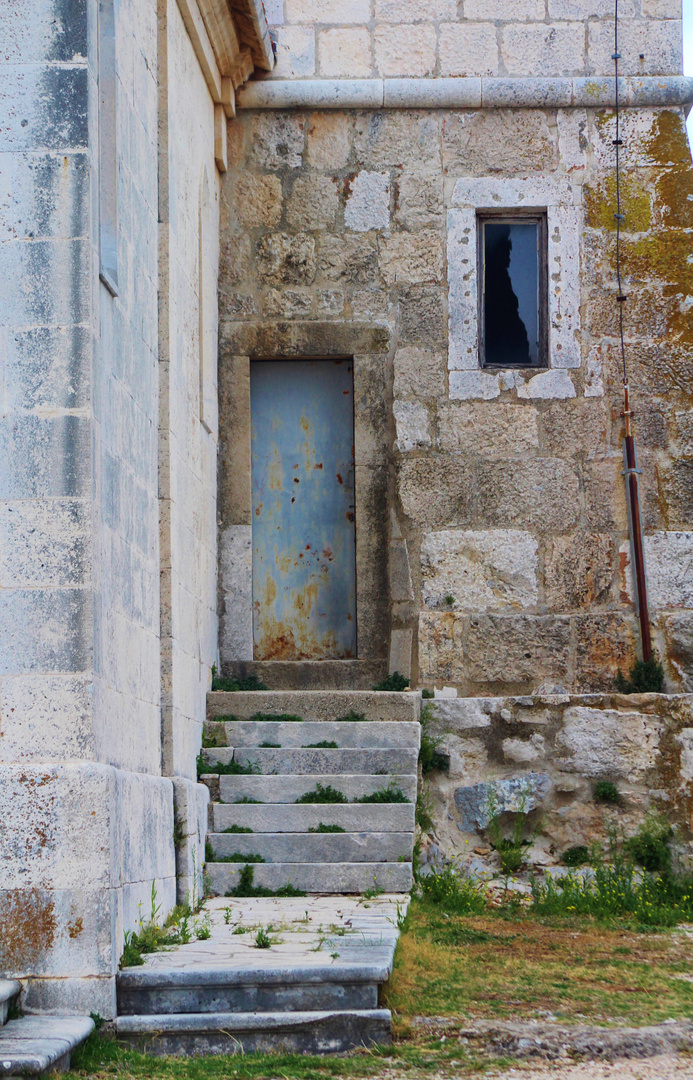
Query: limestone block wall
{"type": "Point", "coordinates": [543, 756]}
{"type": "Point", "coordinates": [188, 424]}
{"type": "Point", "coordinates": [125, 405]}
{"type": "Point", "coordinates": [434, 38]}
{"type": "Point", "coordinates": [509, 565]}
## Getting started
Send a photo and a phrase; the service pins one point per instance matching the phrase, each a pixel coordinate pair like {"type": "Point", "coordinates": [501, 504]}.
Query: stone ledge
{"type": "Point", "coordinates": [466, 93]}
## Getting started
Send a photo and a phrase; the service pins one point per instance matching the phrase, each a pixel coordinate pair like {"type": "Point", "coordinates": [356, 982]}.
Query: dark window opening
{"type": "Point", "coordinates": [513, 293]}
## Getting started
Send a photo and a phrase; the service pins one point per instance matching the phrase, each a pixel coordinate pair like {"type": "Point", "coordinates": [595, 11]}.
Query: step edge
{"type": "Point", "coordinates": [267, 1021]}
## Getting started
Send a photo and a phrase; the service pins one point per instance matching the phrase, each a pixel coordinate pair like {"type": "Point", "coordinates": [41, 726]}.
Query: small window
{"type": "Point", "coordinates": [512, 291]}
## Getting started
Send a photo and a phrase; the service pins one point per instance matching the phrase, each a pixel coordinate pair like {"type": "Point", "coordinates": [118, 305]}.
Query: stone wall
{"type": "Point", "coordinates": [188, 418]}
{"type": "Point", "coordinates": [509, 564]}
{"type": "Point", "coordinates": [542, 756]}
{"type": "Point", "coordinates": [433, 38]}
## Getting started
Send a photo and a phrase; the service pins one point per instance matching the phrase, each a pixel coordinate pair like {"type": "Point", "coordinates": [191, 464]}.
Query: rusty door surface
{"type": "Point", "coordinates": [304, 540]}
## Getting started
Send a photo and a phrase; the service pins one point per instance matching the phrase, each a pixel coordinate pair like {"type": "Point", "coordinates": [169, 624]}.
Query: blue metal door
{"type": "Point", "coordinates": [304, 539]}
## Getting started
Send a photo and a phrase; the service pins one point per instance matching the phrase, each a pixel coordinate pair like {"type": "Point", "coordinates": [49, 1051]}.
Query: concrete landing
{"type": "Point", "coordinates": [35, 1045]}
{"type": "Point", "coordinates": [315, 989]}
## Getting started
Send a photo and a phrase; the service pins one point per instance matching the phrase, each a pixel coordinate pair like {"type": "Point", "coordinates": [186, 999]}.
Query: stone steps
{"type": "Point", "coordinates": [236, 990]}
{"type": "Point", "coordinates": [35, 1045]}
{"type": "Point", "coordinates": [353, 818]}
{"type": "Point", "coordinates": [373, 755]}
{"type": "Point", "coordinates": [313, 761]}
{"type": "Point", "coordinates": [301, 847]}
{"type": "Point", "coordinates": [10, 990]}
{"type": "Point", "coordinates": [317, 878]}
{"type": "Point", "coordinates": [374, 734]}
{"type": "Point", "coordinates": [315, 705]}
{"type": "Point", "coordinates": [288, 788]}
{"type": "Point", "coordinates": [315, 1032]}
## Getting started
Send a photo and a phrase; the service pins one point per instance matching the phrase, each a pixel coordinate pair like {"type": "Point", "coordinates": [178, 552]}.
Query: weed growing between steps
{"type": "Point", "coordinates": [179, 928]}
{"type": "Point", "coordinates": [247, 887]}
{"type": "Point", "coordinates": [247, 800]}
{"type": "Point", "coordinates": [327, 828]}
{"type": "Point", "coordinates": [278, 718]}
{"type": "Point", "coordinates": [218, 768]}
{"type": "Point", "coordinates": [234, 686]}
{"type": "Point", "coordinates": [270, 746]}
{"type": "Point", "coordinates": [328, 794]}
{"type": "Point", "coordinates": [431, 757]}
{"type": "Point", "coordinates": [237, 829]}
{"type": "Point", "coordinates": [326, 744]}
{"type": "Point", "coordinates": [352, 717]}
{"type": "Point", "coordinates": [390, 794]}
{"type": "Point", "coordinates": [210, 856]}
{"type": "Point", "coordinates": [322, 794]}
{"type": "Point", "coordinates": [395, 682]}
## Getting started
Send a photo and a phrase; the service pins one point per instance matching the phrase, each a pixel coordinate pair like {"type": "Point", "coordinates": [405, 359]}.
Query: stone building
{"type": "Point", "coordinates": [408, 209]}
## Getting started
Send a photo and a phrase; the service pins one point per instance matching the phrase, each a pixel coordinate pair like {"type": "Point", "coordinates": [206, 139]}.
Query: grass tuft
{"type": "Point", "coordinates": [320, 794]}
{"type": "Point", "coordinates": [326, 744]}
{"type": "Point", "coordinates": [327, 828]}
{"type": "Point", "coordinates": [390, 794]}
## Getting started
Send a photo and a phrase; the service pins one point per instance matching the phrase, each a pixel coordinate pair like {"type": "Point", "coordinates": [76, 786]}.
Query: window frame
{"type": "Point", "coordinates": [515, 216]}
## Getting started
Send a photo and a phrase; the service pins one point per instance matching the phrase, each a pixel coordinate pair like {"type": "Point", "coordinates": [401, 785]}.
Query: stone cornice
{"type": "Point", "coordinates": [466, 93]}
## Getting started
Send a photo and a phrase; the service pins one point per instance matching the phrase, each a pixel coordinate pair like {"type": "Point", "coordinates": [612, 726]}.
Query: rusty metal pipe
{"type": "Point", "coordinates": [631, 473]}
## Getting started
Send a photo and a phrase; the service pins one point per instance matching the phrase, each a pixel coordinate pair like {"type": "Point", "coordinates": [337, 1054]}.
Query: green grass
{"type": "Point", "coordinates": [327, 828]}
{"type": "Point", "coordinates": [246, 800]}
{"type": "Point", "coordinates": [210, 857]}
{"type": "Point", "coordinates": [320, 794]}
{"type": "Point", "coordinates": [279, 718]}
{"type": "Point", "coordinates": [237, 829]}
{"type": "Point", "coordinates": [351, 717]}
{"type": "Point", "coordinates": [246, 886]}
{"type": "Point", "coordinates": [270, 746]}
{"type": "Point", "coordinates": [326, 744]}
{"type": "Point", "coordinates": [104, 1059]}
{"type": "Point", "coordinates": [396, 682]}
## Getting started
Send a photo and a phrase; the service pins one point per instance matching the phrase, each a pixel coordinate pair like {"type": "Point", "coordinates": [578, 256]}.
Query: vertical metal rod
{"type": "Point", "coordinates": [630, 456]}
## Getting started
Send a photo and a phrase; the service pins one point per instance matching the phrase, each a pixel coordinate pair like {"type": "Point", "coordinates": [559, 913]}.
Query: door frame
{"type": "Point", "coordinates": [368, 348]}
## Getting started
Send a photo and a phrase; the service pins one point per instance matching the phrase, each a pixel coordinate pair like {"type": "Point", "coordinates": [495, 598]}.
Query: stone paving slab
{"type": "Point", "coordinates": [307, 930]}
{"type": "Point", "coordinates": [286, 789]}
{"type": "Point", "coordinates": [367, 733]}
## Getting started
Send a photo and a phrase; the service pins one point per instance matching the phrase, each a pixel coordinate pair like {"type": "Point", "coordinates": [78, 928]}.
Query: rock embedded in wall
{"type": "Point", "coordinates": [478, 803]}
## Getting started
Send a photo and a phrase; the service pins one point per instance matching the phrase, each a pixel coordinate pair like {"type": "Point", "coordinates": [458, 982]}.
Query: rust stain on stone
{"type": "Point", "coordinates": [27, 918]}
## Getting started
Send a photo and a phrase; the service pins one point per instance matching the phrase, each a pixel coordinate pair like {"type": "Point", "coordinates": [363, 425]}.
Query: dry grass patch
{"type": "Point", "coordinates": [488, 967]}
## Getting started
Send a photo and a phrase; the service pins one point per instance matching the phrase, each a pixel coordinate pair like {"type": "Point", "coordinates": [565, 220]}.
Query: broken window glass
{"type": "Point", "coordinates": [512, 276]}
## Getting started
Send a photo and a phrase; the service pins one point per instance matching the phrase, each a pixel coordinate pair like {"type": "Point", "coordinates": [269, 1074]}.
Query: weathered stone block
{"type": "Point", "coordinates": [461, 714]}
{"type": "Point", "coordinates": [532, 10]}
{"type": "Point", "coordinates": [497, 430]}
{"type": "Point", "coordinates": [257, 200]}
{"type": "Point", "coordinates": [368, 202]}
{"type": "Point", "coordinates": [604, 742]}
{"type": "Point", "coordinates": [578, 571]}
{"type": "Point", "coordinates": [468, 49]}
{"type": "Point", "coordinates": [542, 50]}
{"type": "Point", "coordinates": [412, 258]}
{"type": "Point", "coordinates": [341, 12]}
{"type": "Point", "coordinates": [668, 558]}
{"type": "Point", "coordinates": [422, 316]}
{"type": "Point", "coordinates": [412, 424]}
{"type": "Point", "coordinates": [313, 203]}
{"type": "Point", "coordinates": [44, 542]}
{"type": "Point", "coordinates": [606, 641]}
{"type": "Point", "coordinates": [678, 631]}
{"type": "Point", "coordinates": [277, 141]}
{"type": "Point", "coordinates": [283, 259]}
{"type": "Point", "coordinates": [295, 52]}
{"type": "Point", "coordinates": [517, 649]}
{"type": "Point", "coordinates": [507, 141]}
{"type": "Point", "coordinates": [327, 140]}
{"type": "Point", "coordinates": [516, 795]}
{"type": "Point", "coordinates": [352, 259]}
{"type": "Point", "coordinates": [541, 495]}
{"type": "Point", "coordinates": [419, 373]}
{"type": "Point", "coordinates": [419, 199]}
{"type": "Point", "coordinates": [405, 50]}
{"type": "Point", "coordinates": [45, 630]}
{"type": "Point", "coordinates": [288, 303]}
{"type": "Point", "coordinates": [46, 717]}
{"type": "Point", "coordinates": [481, 571]}
{"type": "Point", "coordinates": [345, 52]}
{"type": "Point", "coordinates": [658, 42]}
{"type": "Point", "coordinates": [404, 11]}
{"type": "Point", "coordinates": [397, 137]}
{"type": "Point", "coordinates": [524, 751]}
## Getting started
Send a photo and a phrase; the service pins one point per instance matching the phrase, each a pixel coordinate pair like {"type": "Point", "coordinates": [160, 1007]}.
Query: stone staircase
{"type": "Point", "coordinates": [348, 846]}
{"type": "Point", "coordinates": [317, 989]}
{"type": "Point", "coordinates": [36, 1045]}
